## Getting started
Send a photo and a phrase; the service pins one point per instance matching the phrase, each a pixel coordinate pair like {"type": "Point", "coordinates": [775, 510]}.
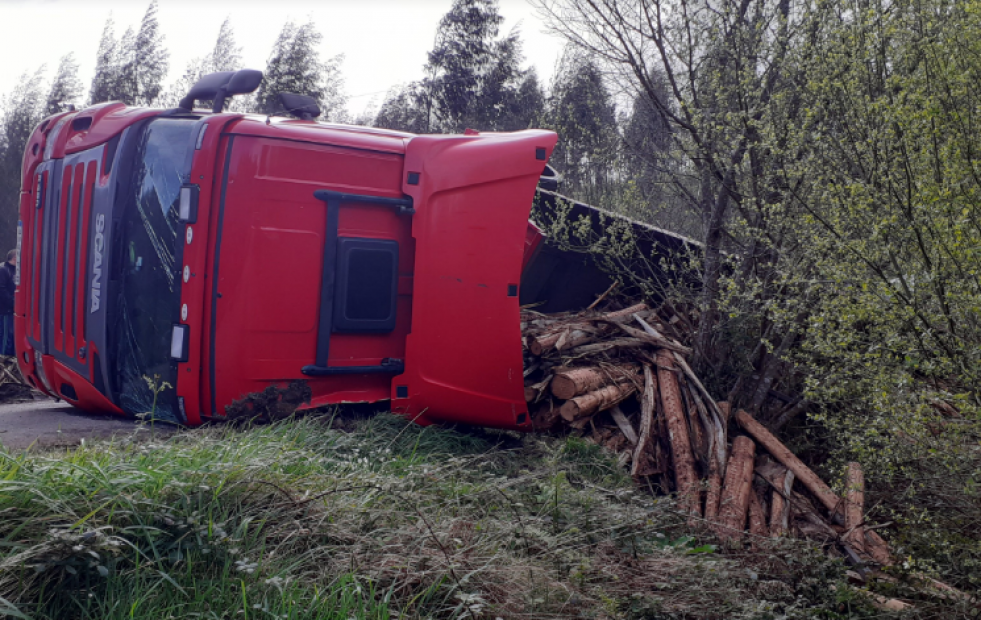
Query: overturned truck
{"type": "Point", "coordinates": [172, 261]}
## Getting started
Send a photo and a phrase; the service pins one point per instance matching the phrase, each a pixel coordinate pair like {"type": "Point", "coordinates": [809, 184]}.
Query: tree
{"type": "Point", "coordinates": [21, 111]}
{"type": "Point", "coordinates": [475, 79]}
{"type": "Point", "coordinates": [731, 96]}
{"type": "Point", "coordinates": [104, 82]}
{"type": "Point", "coordinates": [294, 66]}
{"type": "Point", "coordinates": [66, 88]}
{"type": "Point", "coordinates": [225, 56]}
{"type": "Point", "coordinates": [405, 109]}
{"type": "Point", "coordinates": [145, 65]}
{"type": "Point", "coordinates": [581, 111]}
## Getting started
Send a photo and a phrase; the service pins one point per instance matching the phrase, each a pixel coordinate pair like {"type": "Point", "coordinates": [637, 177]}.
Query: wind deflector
{"type": "Point", "coordinates": [217, 87]}
{"type": "Point", "coordinates": [302, 107]}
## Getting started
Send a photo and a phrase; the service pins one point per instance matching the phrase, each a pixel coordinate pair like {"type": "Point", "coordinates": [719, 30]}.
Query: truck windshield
{"type": "Point", "coordinates": [148, 284]}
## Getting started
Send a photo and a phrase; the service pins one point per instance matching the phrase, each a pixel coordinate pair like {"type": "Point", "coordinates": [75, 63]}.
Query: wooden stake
{"type": "Point", "coordinates": [686, 480]}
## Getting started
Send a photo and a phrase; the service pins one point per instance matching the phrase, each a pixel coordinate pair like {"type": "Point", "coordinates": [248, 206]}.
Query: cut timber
{"type": "Point", "coordinates": [714, 492]}
{"type": "Point", "coordinates": [626, 314]}
{"type": "Point", "coordinates": [609, 345]}
{"type": "Point", "coordinates": [646, 421]}
{"type": "Point", "coordinates": [534, 393]}
{"type": "Point", "coordinates": [624, 424]}
{"type": "Point", "coordinates": [686, 479]}
{"type": "Point", "coordinates": [757, 517]}
{"type": "Point", "coordinates": [572, 382]}
{"type": "Point", "coordinates": [546, 417]}
{"type": "Point", "coordinates": [805, 474]}
{"type": "Point", "coordinates": [783, 481]}
{"type": "Point", "coordinates": [736, 489]}
{"type": "Point", "coordinates": [593, 402]}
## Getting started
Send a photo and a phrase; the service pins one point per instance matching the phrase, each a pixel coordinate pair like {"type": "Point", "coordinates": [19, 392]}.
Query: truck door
{"type": "Point", "coordinates": [270, 293]}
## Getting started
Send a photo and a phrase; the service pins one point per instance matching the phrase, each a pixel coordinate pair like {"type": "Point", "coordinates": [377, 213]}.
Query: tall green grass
{"type": "Point", "coordinates": [385, 520]}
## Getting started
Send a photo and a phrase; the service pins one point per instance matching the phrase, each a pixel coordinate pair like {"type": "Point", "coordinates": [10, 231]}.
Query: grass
{"type": "Point", "coordinates": [371, 518]}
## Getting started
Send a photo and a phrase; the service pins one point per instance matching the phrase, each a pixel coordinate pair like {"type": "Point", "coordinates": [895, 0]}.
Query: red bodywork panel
{"type": "Point", "coordinates": [253, 264]}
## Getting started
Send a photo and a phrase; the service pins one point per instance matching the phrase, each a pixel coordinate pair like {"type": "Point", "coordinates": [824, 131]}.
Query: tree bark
{"type": "Point", "coordinates": [593, 402]}
{"type": "Point", "coordinates": [686, 479]}
{"type": "Point", "coordinates": [805, 474]}
{"type": "Point", "coordinates": [572, 382]}
{"type": "Point", "coordinates": [646, 420]}
{"type": "Point", "coordinates": [735, 491]}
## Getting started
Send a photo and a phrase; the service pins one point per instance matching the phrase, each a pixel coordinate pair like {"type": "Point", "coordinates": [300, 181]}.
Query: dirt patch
{"type": "Point", "coordinates": [271, 404]}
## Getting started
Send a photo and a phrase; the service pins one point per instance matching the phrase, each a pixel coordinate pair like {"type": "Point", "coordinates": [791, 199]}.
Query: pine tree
{"type": "Point", "coordinates": [22, 110]}
{"type": "Point", "coordinates": [475, 78]}
{"type": "Point", "coordinates": [145, 64]}
{"type": "Point", "coordinates": [106, 66]}
{"type": "Point", "coordinates": [404, 109]}
{"type": "Point", "coordinates": [66, 88]}
{"type": "Point", "coordinates": [294, 66]}
{"type": "Point", "coordinates": [226, 56]}
{"type": "Point", "coordinates": [581, 111]}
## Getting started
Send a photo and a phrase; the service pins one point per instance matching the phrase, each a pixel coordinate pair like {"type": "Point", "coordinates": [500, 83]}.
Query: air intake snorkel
{"type": "Point", "coordinates": [219, 86]}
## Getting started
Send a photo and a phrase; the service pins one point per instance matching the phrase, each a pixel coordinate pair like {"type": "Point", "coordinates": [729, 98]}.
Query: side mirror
{"type": "Point", "coordinates": [219, 86]}
{"type": "Point", "coordinates": [301, 106]}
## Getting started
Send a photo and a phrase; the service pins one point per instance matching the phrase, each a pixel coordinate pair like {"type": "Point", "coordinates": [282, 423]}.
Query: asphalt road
{"type": "Point", "coordinates": [52, 424]}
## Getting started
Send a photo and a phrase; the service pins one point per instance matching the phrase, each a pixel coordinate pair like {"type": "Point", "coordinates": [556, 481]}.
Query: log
{"type": "Point", "coordinates": [699, 442]}
{"type": "Point", "coordinates": [646, 421]}
{"type": "Point", "coordinates": [779, 506]}
{"type": "Point", "coordinates": [596, 401]}
{"type": "Point", "coordinates": [626, 314]}
{"type": "Point", "coordinates": [757, 516]}
{"type": "Point", "coordinates": [652, 339]}
{"type": "Point", "coordinates": [624, 424]}
{"type": "Point", "coordinates": [608, 345]}
{"type": "Point", "coordinates": [805, 474]}
{"type": "Point", "coordinates": [686, 479]}
{"type": "Point", "coordinates": [734, 503]}
{"type": "Point", "coordinates": [725, 411]}
{"type": "Point", "coordinates": [572, 382]}
{"type": "Point", "coordinates": [546, 417]}
{"type": "Point", "coordinates": [714, 492]}
{"type": "Point", "coordinates": [534, 392]}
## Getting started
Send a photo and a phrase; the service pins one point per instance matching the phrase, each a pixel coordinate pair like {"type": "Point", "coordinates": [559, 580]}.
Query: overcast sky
{"type": "Point", "coordinates": [384, 42]}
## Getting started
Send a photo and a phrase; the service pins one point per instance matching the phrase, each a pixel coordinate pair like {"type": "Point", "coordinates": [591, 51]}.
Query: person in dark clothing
{"type": "Point", "coordinates": [8, 272]}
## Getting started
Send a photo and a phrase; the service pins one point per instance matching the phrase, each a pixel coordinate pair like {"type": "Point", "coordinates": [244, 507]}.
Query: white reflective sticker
{"type": "Point", "coordinates": [184, 212]}
{"type": "Point", "coordinates": [184, 312]}
{"type": "Point", "coordinates": [177, 342]}
{"type": "Point", "coordinates": [190, 235]}
{"type": "Point", "coordinates": [187, 273]}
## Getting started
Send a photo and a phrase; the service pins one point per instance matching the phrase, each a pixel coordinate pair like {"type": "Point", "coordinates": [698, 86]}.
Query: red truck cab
{"type": "Point", "coordinates": [171, 262]}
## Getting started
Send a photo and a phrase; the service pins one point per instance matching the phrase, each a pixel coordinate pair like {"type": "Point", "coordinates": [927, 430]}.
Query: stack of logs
{"type": "Point", "coordinates": [623, 378]}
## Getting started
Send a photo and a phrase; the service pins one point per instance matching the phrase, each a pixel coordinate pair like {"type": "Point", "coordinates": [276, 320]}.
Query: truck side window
{"type": "Point", "coordinates": [367, 285]}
